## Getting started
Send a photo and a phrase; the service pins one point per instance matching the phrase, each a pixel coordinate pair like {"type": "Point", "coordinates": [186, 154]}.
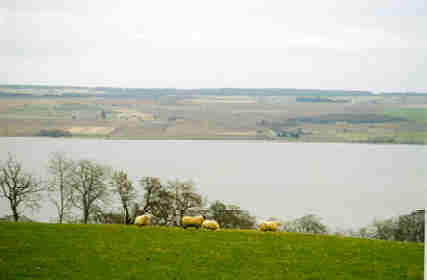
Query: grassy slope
{"type": "Point", "coordinates": [48, 251]}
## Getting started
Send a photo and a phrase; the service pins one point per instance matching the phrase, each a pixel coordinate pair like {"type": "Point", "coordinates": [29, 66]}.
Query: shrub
{"type": "Point", "coordinates": [54, 133]}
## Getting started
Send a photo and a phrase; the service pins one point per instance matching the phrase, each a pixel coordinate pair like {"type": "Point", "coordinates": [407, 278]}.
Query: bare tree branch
{"type": "Point", "coordinates": [21, 189]}
{"type": "Point", "coordinates": [88, 182]}
{"type": "Point", "coordinates": [60, 192]}
{"type": "Point", "coordinates": [123, 187]}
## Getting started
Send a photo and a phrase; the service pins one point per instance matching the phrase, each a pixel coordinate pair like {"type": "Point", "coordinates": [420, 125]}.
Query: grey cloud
{"type": "Point", "coordinates": [74, 7]}
{"type": "Point", "coordinates": [369, 45]}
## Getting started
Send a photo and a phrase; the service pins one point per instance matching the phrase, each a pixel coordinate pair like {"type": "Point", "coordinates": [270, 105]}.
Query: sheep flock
{"type": "Point", "coordinates": [202, 222]}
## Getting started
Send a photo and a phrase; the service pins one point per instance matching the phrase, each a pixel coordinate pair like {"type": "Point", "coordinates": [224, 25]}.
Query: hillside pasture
{"type": "Point", "coordinates": [51, 251]}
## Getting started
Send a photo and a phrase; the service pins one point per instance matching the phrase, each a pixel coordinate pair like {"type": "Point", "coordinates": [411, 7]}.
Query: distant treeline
{"type": "Point", "coordinates": [304, 95]}
{"type": "Point", "coordinates": [320, 100]}
{"type": "Point", "coordinates": [54, 133]}
{"type": "Point", "coordinates": [41, 90]}
{"type": "Point", "coordinates": [403, 93]}
{"type": "Point", "coordinates": [58, 91]}
{"type": "Point", "coordinates": [85, 191]}
{"type": "Point", "coordinates": [8, 94]}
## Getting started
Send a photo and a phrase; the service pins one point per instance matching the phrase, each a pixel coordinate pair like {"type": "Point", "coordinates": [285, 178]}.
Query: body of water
{"type": "Point", "coordinates": [347, 185]}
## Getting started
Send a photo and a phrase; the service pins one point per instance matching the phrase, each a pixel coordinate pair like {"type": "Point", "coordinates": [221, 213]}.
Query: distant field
{"type": "Point", "coordinates": [236, 133]}
{"type": "Point", "coordinates": [48, 108]}
{"type": "Point", "coordinates": [367, 119]}
{"type": "Point", "coordinates": [125, 113]}
{"type": "Point", "coordinates": [50, 251]}
{"type": "Point", "coordinates": [411, 114]}
{"type": "Point", "coordinates": [102, 130]}
{"type": "Point", "coordinates": [222, 100]}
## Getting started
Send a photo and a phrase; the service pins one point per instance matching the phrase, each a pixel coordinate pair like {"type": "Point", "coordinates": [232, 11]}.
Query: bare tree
{"type": "Point", "coordinates": [89, 187]}
{"type": "Point", "coordinates": [411, 227]}
{"type": "Point", "coordinates": [152, 187]}
{"type": "Point", "coordinates": [306, 224]}
{"type": "Point", "coordinates": [185, 197]}
{"type": "Point", "coordinates": [385, 229]}
{"type": "Point", "coordinates": [231, 216]}
{"type": "Point", "coordinates": [107, 217]}
{"type": "Point", "coordinates": [20, 188]}
{"type": "Point", "coordinates": [59, 187]}
{"type": "Point", "coordinates": [123, 187]}
{"type": "Point", "coordinates": [158, 200]}
{"type": "Point", "coordinates": [408, 227]}
{"type": "Point", "coordinates": [167, 202]}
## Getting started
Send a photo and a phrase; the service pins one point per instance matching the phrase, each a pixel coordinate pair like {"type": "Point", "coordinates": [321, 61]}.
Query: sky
{"type": "Point", "coordinates": [376, 45]}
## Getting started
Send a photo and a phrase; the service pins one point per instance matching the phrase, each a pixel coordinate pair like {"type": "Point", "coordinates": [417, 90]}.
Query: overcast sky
{"type": "Point", "coordinates": [376, 45]}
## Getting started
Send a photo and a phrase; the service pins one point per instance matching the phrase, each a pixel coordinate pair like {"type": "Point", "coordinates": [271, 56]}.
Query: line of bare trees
{"type": "Point", "coordinates": [407, 227]}
{"type": "Point", "coordinates": [91, 188]}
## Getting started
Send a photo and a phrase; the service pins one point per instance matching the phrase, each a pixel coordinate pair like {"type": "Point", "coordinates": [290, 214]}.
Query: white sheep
{"type": "Point", "coordinates": [188, 221]}
{"type": "Point", "coordinates": [143, 220]}
{"type": "Point", "coordinates": [210, 224]}
{"type": "Point", "coordinates": [269, 225]}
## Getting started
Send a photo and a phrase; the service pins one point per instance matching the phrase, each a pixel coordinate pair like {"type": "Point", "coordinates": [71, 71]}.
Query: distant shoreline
{"type": "Point", "coordinates": [243, 140]}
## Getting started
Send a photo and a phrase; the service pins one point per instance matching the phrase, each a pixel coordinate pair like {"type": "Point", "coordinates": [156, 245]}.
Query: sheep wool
{"type": "Point", "coordinates": [210, 224]}
{"type": "Point", "coordinates": [269, 225]}
{"type": "Point", "coordinates": [188, 221]}
{"type": "Point", "coordinates": [143, 220]}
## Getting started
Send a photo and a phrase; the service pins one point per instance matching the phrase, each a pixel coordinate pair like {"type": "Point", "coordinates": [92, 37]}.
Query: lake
{"type": "Point", "coordinates": [347, 185]}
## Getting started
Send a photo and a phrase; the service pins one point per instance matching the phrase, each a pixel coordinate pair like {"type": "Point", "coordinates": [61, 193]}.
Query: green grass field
{"type": "Point", "coordinates": [411, 114]}
{"type": "Point", "coordinates": [50, 251]}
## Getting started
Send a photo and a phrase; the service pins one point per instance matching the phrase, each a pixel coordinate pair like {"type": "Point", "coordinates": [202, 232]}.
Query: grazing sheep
{"type": "Point", "coordinates": [269, 225]}
{"type": "Point", "coordinates": [143, 220]}
{"type": "Point", "coordinates": [188, 221]}
{"type": "Point", "coordinates": [210, 224]}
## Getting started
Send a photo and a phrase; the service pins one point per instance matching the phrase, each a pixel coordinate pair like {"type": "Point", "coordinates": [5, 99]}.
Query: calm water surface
{"type": "Point", "coordinates": [348, 185]}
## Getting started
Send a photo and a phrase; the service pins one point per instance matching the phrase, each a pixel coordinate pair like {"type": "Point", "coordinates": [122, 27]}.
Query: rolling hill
{"type": "Point", "coordinates": [51, 251]}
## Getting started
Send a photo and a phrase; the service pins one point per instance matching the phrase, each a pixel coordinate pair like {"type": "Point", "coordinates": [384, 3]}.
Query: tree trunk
{"type": "Point", "coordinates": [85, 215]}
{"type": "Point", "coordinates": [181, 215]}
{"type": "Point", "coordinates": [61, 212]}
{"type": "Point", "coordinates": [127, 218]}
{"type": "Point", "coordinates": [60, 218]}
{"type": "Point", "coordinates": [15, 214]}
